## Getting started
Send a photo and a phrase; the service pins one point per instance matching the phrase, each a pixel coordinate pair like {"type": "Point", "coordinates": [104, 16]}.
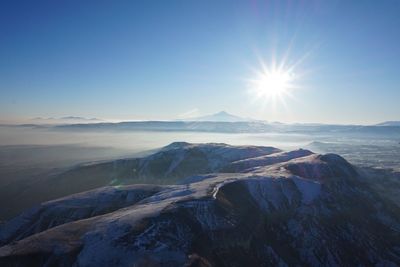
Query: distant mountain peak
{"type": "Point", "coordinates": [223, 112]}
{"type": "Point", "coordinates": [221, 116]}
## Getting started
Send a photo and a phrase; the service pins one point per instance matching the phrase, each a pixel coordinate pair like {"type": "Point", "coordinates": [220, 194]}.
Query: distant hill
{"type": "Point", "coordinates": [79, 118]}
{"type": "Point", "coordinates": [389, 123]}
{"type": "Point", "coordinates": [222, 116]}
{"type": "Point", "coordinates": [62, 120]}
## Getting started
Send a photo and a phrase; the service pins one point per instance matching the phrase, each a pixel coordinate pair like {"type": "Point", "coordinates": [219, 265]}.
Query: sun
{"type": "Point", "coordinates": [273, 83]}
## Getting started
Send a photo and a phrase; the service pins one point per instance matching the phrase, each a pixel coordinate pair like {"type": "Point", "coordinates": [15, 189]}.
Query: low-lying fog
{"type": "Point", "coordinates": [45, 147]}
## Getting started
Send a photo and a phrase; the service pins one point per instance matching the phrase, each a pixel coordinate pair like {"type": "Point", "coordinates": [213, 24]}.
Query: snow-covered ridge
{"type": "Point", "coordinates": [265, 160]}
{"type": "Point", "coordinates": [75, 207]}
{"type": "Point", "coordinates": [258, 204]}
{"type": "Point", "coordinates": [171, 163]}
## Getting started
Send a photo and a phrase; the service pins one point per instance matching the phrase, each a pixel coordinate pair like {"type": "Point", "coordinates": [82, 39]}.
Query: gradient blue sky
{"type": "Point", "coordinates": [164, 59]}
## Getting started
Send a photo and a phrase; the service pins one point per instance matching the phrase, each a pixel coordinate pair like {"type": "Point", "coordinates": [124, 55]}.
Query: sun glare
{"type": "Point", "coordinates": [273, 83]}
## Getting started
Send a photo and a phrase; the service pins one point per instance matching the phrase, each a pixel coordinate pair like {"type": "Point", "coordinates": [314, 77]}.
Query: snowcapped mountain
{"type": "Point", "coordinates": [168, 165]}
{"type": "Point", "coordinates": [221, 116]}
{"type": "Point", "coordinates": [257, 206]}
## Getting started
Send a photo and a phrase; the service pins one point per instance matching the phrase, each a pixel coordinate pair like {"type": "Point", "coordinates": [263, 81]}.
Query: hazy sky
{"type": "Point", "coordinates": [167, 59]}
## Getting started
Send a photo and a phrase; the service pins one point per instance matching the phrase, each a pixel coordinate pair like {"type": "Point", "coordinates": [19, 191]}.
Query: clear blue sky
{"type": "Point", "coordinates": [162, 59]}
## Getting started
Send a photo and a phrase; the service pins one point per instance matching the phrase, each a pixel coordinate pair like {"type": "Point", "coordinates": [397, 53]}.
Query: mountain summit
{"type": "Point", "coordinates": [222, 116]}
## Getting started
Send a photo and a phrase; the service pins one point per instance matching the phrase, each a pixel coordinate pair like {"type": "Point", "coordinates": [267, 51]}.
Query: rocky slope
{"type": "Point", "coordinates": [257, 207]}
{"type": "Point", "coordinates": [166, 166]}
